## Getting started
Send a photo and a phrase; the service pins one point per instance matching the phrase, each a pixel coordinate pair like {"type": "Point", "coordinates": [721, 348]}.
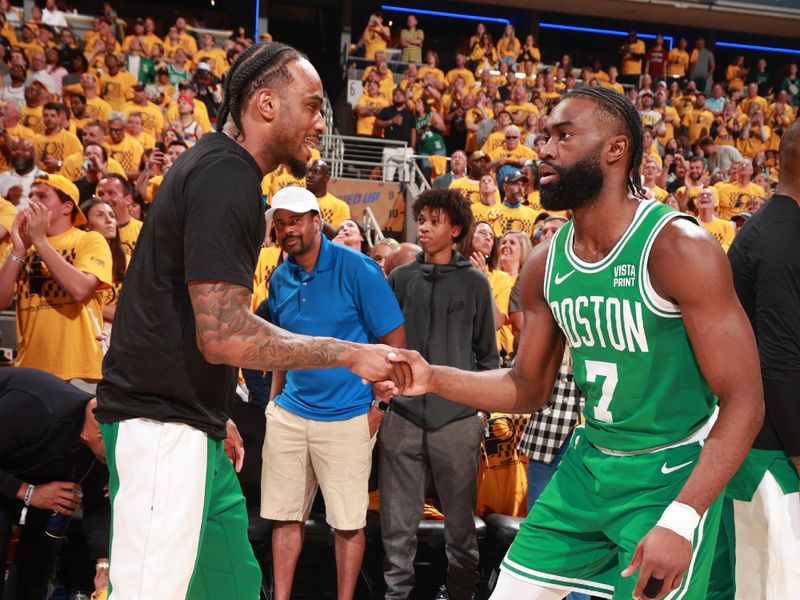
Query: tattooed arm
{"type": "Point", "coordinates": [229, 333]}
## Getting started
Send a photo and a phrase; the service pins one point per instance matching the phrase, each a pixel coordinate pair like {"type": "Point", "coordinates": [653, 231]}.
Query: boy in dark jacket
{"type": "Point", "coordinates": [447, 306]}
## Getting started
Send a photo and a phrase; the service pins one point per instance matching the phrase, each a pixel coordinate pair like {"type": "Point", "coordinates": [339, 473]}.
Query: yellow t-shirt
{"type": "Point", "coordinates": [508, 47]}
{"type": "Point", "coordinates": [744, 105]}
{"type": "Point", "coordinates": [523, 109]}
{"type": "Point", "coordinates": [437, 73]}
{"type": "Point", "coordinates": [469, 189]}
{"type": "Point", "coordinates": [129, 235]}
{"type": "Point", "coordinates": [699, 123]}
{"type": "Point", "coordinates": [149, 39]}
{"type": "Point", "coordinates": [56, 333]}
{"type": "Point", "coordinates": [32, 118]}
{"type": "Point", "coordinates": [469, 78]}
{"type": "Point", "coordinates": [147, 141]}
{"type": "Point", "coordinates": [128, 153]}
{"type": "Point", "coordinates": [752, 144]}
{"type": "Point", "coordinates": [734, 198]}
{"type": "Point", "coordinates": [365, 125]}
{"type": "Point", "coordinates": [333, 209]}
{"type": "Point", "coordinates": [374, 42]}
{"type": "Point", "coordinates": [520, 218]}
{"type": "Point", "coordinates": [267, 263]}
{"type": "Point", "coordinates": [501, 283]}
{"type": "Point", "coordinates": [659, 193]}
{"type": "Point", "coordinates": [152, 187]}
{"type": "Point", "coordinates": [669, 128]}
{"type": "Point", "coordinates": [200, 114]}
{"type": "Point", "coordinates": [117, 89]}
{"type": "Point", "coordinates": [616, 86]}
{"type": "Point", "coordinates": [490, 214]}
{"type": "Point", "coordinates": [722, 230]}
{"type": "Point", "coordinates": [73, 167]}
{"type": "Point", "coordinates": [735, 77]}
{"type": "Point", "coordinates": [98, 108]}
{"type": "Point", "coordinates": [520, 152]}
{"type": "Point", "coordinates": [8, 212]}
{"type": "Point", "coordinates": [215, 55]}
{"type": "Point", "coordinates": [59, 145]}
{"type": "Point", "coordinates": [493, 141]}
{"type": "Point", "coordinates": [152, 118]}
{"type": "Point", "coordinates": [684, 195]}
{"type": "Point", "coordinates": [633, 66]}
{"type": "Point", "coordinates": [677, 62]}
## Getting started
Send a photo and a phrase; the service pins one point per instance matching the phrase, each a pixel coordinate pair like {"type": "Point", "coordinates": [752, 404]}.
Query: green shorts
{"type": "Point", "coordinates": [583, 529]}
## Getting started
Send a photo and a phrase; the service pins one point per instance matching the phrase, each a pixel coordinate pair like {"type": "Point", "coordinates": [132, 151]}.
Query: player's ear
{"type": "Point", "coordinates": [617, 149]}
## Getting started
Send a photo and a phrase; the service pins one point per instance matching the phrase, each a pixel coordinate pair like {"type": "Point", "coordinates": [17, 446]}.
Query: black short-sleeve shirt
{"type": "Point", "coordinates": [765, 259]}
{"type": "Point", "coordinates": [206, 223]}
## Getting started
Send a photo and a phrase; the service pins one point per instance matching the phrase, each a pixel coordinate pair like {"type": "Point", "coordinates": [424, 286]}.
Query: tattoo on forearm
{"type": "Point", "coordinates": [223, 318]}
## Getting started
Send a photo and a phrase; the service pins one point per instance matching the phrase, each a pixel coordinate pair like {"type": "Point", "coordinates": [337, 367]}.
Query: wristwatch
{"type": "Point", "coordinates": [380, 405]}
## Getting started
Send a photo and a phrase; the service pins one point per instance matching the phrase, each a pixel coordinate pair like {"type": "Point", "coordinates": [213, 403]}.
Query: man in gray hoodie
{"type": "Point", "coordinates": [447, 307]}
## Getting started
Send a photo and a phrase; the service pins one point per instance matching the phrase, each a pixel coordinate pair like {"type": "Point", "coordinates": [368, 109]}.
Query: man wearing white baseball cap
{"type": "Point", "coordinates": [321, 422]}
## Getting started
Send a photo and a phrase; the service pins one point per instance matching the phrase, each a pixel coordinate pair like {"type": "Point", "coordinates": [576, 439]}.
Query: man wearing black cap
{"type": "Point", "coordinates": [514, 215]}
{"type": "Point", "coordinates": [49, 447]}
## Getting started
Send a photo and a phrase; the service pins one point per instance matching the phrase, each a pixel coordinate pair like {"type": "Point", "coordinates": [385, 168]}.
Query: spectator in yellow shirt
{"type": "Point", "coordinates": [116, 84]}
{"type": "Point", "coordinates": [461, 70]}
{"type": "Point", "coordinates": [332, 209]}
{"type": "Point", "coordinates": [633, 53]}
{"type": "Point", "coordinates": [152, 117]}
{"type": "Point", "coordinates": [723, 230]}
{"type": "Point", "coordinates": [375, 37]}
{"type": "Point", "coordinates": [735, 73]}
{"type": "Point", "coordinates": [510, 157]}
{"type": "Point", "coordinates": [678, 60]}
{"type": "Point", "coordinates": [509, 46]}
{"type": "Point", "coordinates": [755, 135]}
{"type": "Point", "coordinates": [95, 105]}
{"type": "Point", "coordinates": [367, 109]}
{"type": "Point", "coordinates": [187, 40]}
{"type": "Point", "coordinates": [56, 143]}
{"type": "Point", "coordinates": [753, 98]}
{"type": "Point", "coordinates": [122, 147]}
{"type": "Point", "coordinates": [699, 120]}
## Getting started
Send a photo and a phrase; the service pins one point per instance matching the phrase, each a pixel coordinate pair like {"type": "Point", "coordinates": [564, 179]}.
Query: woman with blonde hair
{"type": "Point", "coordinates": [514, 249]}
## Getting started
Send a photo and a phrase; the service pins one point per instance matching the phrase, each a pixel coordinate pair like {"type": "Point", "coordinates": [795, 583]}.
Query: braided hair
{"type": "Point", "coordinates": [618, 107]}
{"type": "Point", "coordinates": [261, 65]}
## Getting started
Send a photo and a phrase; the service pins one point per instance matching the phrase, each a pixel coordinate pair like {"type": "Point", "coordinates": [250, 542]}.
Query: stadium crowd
{"type": "Point", "coordinates": [91, 126]}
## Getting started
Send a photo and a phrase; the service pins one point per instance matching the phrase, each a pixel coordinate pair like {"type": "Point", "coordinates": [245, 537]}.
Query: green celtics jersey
{"type": "Point", "coordinates": [632, 357]}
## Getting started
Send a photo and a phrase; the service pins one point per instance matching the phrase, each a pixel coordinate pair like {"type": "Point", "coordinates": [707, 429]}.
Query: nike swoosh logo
{"type": "Point", "coordinates": [667, 470]}
{"type": "Point", "coordinates": [562, 278]}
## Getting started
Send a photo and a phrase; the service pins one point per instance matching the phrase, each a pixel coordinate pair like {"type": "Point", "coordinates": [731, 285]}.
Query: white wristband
{"type": "Point", "coordinates": [681, 519]}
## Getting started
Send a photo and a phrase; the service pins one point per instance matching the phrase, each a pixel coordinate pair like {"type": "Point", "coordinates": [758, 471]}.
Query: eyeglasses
{"type": "Point", "coordinates": [512, 137]}
{"type": "Point", "coordinates": [116, 129]}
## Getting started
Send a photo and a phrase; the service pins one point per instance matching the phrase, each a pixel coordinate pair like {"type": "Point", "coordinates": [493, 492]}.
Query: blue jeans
{"type": "Point", "coordinates": [539, 475]}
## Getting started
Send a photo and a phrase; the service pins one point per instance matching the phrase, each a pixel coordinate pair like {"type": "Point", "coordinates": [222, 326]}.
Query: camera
{"type": "Point", "coordinates": [87, 164]}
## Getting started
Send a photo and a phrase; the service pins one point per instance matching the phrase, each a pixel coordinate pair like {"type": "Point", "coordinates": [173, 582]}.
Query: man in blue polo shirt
{"type": "Point", "coordinates": [320, 421]}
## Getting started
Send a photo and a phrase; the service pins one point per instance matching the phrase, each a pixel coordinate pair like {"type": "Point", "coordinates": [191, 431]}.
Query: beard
{"type": "Point", "coordinates": [297, 167]}
{"type": "Point", "coordinates": [296, 249]}
{"type": "Point", "coordinates": [22, 164]}
{"type": "Point", "coordinates": [576, 185]}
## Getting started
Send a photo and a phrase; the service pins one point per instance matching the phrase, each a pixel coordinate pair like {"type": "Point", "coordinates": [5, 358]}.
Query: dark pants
{"type": "Point", "coordinates": [410, 456]}
{"type": "Point", "coordinates": [35, 555]}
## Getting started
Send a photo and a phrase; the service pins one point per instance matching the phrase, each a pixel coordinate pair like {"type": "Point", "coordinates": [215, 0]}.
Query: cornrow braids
{"type": "Point", "coordinates": [621, 109]}
{"type": "Point", "coordinates": [261, 65]}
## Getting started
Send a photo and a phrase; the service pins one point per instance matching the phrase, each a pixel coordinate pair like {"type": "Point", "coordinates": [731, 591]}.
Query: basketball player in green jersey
{"type": "Point", "coordinates": [664, 354]}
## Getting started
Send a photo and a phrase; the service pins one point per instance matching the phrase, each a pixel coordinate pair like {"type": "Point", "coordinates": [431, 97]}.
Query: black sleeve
{"type": "Point", "coordinates": [224, 219]}
{"type": "Point", "coordinates": [385, 114]}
